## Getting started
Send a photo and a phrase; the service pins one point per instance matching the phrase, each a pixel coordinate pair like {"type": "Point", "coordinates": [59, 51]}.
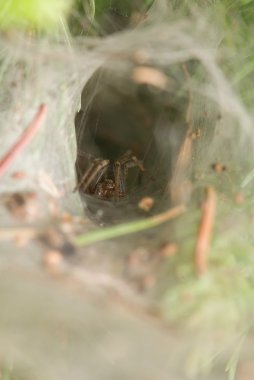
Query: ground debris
{"type": "Point", "coordinates": [196, 134]}
{"type": "Point", "coordinates": [150, 76]}
{"type": "Point", "coordinates": [246, 370]}
{"type": "Point", "coordinates": [20, 235]}
{"type": "Point", "coordinates": [23, 205]}
{"type": "Point", "coordinates": [52, 260]}
{"type": "Point", "coordinates": [169, 249]}
{"type": "Point", "coordinates": [146, 203]}
{"type": "Point", "coordinates": [239, 198]}
{"type": "Point", "coordinates": [19, 175]}
{"type": "Point", "coordinates": [219, 167]}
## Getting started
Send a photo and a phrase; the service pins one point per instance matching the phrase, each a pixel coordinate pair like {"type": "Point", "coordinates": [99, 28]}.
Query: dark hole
{"type": "Point", "coordinates": [118, 115]}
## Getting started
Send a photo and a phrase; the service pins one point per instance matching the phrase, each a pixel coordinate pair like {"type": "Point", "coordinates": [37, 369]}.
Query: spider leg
{"type": "Point", "coordinates": [120, 169]}
{"type": "Point", "coordinates": [128, 160]}
{"type": "Point", "coordinates": [93, 174]}
{"type": "Point", "coordinates": [135, 162]}
{"type": "Point", "coordinates": [120, 177]}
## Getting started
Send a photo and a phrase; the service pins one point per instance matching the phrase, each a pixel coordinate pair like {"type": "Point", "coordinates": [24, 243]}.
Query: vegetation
{"type": "Point", "coordinates": [217, 303]}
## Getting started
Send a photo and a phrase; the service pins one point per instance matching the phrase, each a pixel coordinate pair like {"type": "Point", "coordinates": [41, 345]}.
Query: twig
{"type": "Point", "coordinates": [183, 159]}
{"type": "Point", "coordinates": [176, 185]}
{"type": "Point", "coordinates": [205, 231]}
{"type": "Point", "coordinates": [24, 139]}
{"type": "Point", "coordinates": [128, 228]}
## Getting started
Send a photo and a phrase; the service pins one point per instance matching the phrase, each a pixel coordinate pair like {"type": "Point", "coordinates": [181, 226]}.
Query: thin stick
{"type": "Point", "coordinates": [184, 157]}
{"type": "Point", "coordinates": [24, 139]}
{"type": "Point", "coordinates": [205, 232]}
{"type": "Point", "coordinates": [128, 228]}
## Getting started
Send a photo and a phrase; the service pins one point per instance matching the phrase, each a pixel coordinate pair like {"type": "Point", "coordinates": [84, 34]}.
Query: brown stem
{"type": "Point", "coordinates": [205, 231]}
{"type": "Point", "coordinates": [24, 139]}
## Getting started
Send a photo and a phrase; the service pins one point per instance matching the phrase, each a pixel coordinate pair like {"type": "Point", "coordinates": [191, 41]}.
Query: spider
{"type": "Point", "coordinates": [107, 180]}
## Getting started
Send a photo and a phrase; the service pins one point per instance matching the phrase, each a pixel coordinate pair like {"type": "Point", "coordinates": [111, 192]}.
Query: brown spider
{"type": "Point", "coordinates": [107, 180]}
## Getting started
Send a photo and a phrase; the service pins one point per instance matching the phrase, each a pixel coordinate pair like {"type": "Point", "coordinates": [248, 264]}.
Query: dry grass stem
{"type": "Point", "coordinates": [177, 188]}
{"type": "Point", "coordinates": [176, 185]}
{"type": "Point", "coordinates": [205, 232]}
{"type": "Point", "coordinates": [24, 139]}
{"type": "Point", "coordinates": [101, 234]}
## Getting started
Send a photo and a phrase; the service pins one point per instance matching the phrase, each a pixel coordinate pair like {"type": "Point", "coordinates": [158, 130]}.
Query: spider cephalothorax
{"type": "Point", "coordinates": [107, 180]}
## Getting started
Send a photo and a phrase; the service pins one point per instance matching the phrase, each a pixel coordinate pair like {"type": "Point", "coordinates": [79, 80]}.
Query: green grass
{"type": "Point", "coordinates": [102, 234]}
